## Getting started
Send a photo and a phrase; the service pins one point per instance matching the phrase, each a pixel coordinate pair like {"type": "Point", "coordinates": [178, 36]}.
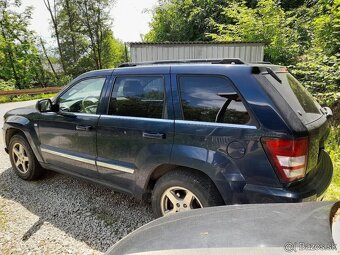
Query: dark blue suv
{"type": "Point", "coordinates": [187, 134]}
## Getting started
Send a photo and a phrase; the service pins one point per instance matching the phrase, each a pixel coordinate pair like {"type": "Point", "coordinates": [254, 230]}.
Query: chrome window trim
{"type": "Point", "coordinates": [137, 118]}
{"type": "Point", "coordinates": [116, 167]}
{"type": "Point", "coordinates": [85, 114]}
{"type": "Point", "coordinates": [80, 159]}
{"type": "Point", "coordinates": [214, 124]}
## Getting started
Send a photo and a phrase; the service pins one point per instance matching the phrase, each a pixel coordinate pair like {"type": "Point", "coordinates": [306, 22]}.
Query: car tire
{"type": "Point", "coordinates": [23, 160]}
{"type": "Point", "coordinates": [183, 184]}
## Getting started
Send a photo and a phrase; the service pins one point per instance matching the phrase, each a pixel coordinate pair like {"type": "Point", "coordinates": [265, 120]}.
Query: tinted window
{"type": "Point", "coordinates": [211, 99]}
{"type": "Point", "coordinates": [298, 98]}
{"type": "Point", "coordinates": [83, 97]}
{"type": "Point", "coordinates": [138, 97]}
{"type": "Point", "coordinates": [306, 100]}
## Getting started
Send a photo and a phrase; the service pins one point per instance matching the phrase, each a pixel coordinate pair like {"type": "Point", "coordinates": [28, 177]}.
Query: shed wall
{"type": "Point", "coordinates": [247, 52]}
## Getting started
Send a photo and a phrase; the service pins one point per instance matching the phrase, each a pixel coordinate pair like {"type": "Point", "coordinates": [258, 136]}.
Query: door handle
{"type": "Point", "coordinates": [153, 135]}
{"type": "Point", "coordinates": [83, 128]}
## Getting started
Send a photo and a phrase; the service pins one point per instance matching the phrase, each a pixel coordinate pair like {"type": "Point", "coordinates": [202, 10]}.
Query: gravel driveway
{"type": "Point", "coordinates": [61, 215]}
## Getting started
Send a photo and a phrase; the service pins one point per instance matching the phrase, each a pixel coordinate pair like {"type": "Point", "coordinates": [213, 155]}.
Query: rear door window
{"type": "Point", "coordinates": [138, 96]}
{"type": "Point", "coordinates": [211, 99]}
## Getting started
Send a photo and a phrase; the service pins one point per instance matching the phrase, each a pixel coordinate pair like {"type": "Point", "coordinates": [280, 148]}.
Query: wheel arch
{"type": "Point", "coordinates": [14, 128]}
{"type": "Point", "coordinates": [10, 132]}
{"type": "Point", "coordinates": [163, 169]}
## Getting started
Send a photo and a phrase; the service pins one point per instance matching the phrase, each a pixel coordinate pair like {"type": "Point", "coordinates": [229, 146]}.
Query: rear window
{"type": "Point", "coordinates": [211, 99]}
{"type": "Point", "coordinates": [304, 97]}
{"type": "Point", "coordinates": [297, 96]}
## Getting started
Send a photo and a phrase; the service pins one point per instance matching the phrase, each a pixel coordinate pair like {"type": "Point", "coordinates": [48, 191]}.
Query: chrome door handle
{"type": "Point", "coordinates": [153, 135]}
{"type": "Point", "coordinates": [83, 128]}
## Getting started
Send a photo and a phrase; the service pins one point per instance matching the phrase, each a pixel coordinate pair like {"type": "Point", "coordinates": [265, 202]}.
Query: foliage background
{"type": "Point", "coordinates": [83, 41]}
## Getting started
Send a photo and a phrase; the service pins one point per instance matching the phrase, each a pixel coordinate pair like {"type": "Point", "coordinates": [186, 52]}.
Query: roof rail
{"type": "Point", "coordinates": [235, 61]}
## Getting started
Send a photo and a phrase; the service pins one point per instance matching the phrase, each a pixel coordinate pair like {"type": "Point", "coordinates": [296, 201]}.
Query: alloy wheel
{"type": "Point", "coordinates": [178, 199]}
{"type": "Point", "coordinates": [20, 158]}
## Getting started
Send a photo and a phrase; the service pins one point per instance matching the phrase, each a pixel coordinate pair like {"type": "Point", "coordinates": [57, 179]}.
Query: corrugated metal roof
{"type": "Point", "coordinates": [193, 42]}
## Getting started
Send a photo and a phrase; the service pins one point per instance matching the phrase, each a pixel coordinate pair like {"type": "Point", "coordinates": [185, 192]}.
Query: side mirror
{"type": "Point", "coordinates": [45, 105]}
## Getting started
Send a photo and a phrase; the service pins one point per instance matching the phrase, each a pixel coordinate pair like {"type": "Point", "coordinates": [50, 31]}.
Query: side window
{"type": "Point", "coordinates": [138, 96]}
{"type": "Point", "coordinates": [83, 97]}
{"type": "Point", "coordinates": [211, 99]}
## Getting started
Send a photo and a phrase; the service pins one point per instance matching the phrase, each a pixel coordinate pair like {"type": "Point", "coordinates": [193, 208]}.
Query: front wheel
{"type": "Point", "coordinates": [23, 160]}
{"type": "Point", "coordinates": [182, 190]}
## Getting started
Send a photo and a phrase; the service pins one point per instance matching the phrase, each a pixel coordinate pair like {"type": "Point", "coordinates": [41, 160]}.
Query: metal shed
{"type": "Point", "coordinates": [249, 52]}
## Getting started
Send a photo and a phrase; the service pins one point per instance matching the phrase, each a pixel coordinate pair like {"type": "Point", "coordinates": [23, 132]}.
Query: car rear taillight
{"type": "Point", "coordinates": [289, 157]}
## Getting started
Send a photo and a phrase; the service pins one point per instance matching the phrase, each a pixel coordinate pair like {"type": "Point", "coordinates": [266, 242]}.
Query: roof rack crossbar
{"type": "Point", "coordinates": [235, 61]}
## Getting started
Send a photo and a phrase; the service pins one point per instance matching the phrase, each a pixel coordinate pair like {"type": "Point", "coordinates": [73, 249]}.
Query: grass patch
{"type": "Point", "coordinates": [105, 216]}
{"type": "Point", "coordinates": [19, 98]}
{"type": "Point", "coordinates": [333, 148]}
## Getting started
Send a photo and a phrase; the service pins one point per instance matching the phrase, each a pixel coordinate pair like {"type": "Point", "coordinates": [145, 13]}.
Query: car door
{"type": "Point", "coordinates": [136, 134]}
{"type": "Point", "coordinates": [68, 137]}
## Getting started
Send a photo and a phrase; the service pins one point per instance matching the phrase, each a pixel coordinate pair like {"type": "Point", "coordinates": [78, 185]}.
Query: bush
{"type": "Point", "coordinates": [333, 148]}
{"type": "Point", "coordinates": [7, 85]}
{"type": "Point", "coordinates": [19, 98]}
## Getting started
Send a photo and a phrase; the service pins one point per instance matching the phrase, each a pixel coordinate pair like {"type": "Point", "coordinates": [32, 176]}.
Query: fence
{"type": "Point", "coordinates": [30, 91]}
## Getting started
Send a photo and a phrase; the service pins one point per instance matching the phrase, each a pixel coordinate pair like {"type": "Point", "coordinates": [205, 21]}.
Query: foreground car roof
{"type": "Point", "coordinates": [241, 229]}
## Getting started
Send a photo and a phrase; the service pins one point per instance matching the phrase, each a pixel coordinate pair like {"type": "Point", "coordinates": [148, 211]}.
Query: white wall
{"type": "Point", "coordinates": [249, 52]}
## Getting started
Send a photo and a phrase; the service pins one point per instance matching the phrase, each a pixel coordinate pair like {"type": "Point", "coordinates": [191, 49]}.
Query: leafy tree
{"type": "Point", "coordinates": [267, 23]}
{"type": "Point", "coordinates": [94, 15]}
{"type": "Point", "coordinates": [52, 8]}
{"type": "Point", "coordinates": [74, 44]}
{"type": "Point", "coordinates": [113, 51]}
{"type": "Point", "coordinates": [318, 67]}
{"type": "Point", "coordinates": [84, 38]}
{"type": "Point", "coordinates": [19, 57]}
{"type": "Point", "coordinates": [189, 20]}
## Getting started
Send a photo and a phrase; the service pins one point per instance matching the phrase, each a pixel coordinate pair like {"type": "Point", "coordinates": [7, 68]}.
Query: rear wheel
{"type": "Point", "coordinates": [182, 190]}
{"type": "Point", "coordinates": [23, 161]}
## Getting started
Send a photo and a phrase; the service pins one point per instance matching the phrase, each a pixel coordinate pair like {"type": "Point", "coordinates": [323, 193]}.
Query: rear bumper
{"type": "Point", "coordinates": [312, 188]}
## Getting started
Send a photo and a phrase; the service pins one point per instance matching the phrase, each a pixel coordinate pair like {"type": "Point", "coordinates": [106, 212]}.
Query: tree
{"type": "Point", "coordinates": [319, 65]}
{"type": "Point", "coordinates": [52, 9]}
{"type": "Point", "coordinates": [112, 51]}
{"type": "Point", "coordinates": [74, 44]}
{"type": "Point", "coordinates": [20, 58]}
{"type": "Point", "coordinates": [189, 20]}
{"type": "Point", "coordinates": [267, 23]}
{"type": "Point", "coordinates": [95, 18]}
{"type": "Point", "coordinates": [84, 38]}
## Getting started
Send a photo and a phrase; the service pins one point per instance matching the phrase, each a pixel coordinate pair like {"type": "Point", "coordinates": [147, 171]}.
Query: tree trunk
{"type": "Point", "coordinates": [56, 31]}
{"type": "Point", "coordinates": [70, 23]}
{"type": "Point", "coordinates": [48, 59]}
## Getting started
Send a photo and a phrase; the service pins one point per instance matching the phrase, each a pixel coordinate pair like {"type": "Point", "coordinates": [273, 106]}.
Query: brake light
{"type": "Point", "coordinates": [289, 157]}
{"type": "Point", "coordinates": [283, 69]}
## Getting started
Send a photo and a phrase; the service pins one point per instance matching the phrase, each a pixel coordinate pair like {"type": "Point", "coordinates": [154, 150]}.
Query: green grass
{"type": "Point", "coordinates": [19, 98]}
{"type": "Point", "coordinates": [105, 216]}
{"type": "Point", "coordinates": [333, 148]}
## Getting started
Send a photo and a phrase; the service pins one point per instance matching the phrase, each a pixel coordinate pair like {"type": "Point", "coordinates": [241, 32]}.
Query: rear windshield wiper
{"type": "Point", "coordinates": [273, 74]}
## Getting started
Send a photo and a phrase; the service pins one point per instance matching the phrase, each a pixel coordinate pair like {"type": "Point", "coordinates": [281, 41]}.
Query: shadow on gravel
{"type": "Point", "coordinates": [87, 212]}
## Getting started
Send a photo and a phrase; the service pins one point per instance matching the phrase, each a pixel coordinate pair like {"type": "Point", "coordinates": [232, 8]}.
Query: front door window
{"type": "Point", "coordinates": [83, 97]}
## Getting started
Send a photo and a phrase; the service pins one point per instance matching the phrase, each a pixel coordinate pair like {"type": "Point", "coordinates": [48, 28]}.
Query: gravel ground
{"type": "Point", "coordinates": [62, 215]}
